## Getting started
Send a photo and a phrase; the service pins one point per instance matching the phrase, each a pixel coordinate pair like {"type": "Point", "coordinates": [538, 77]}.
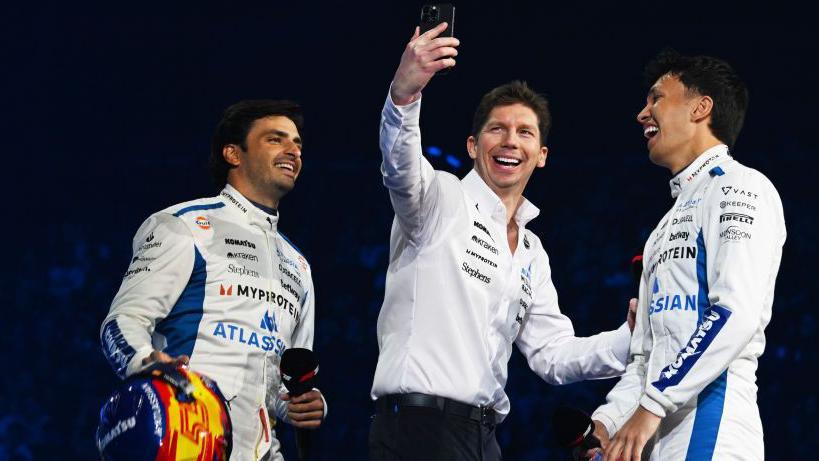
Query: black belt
{"type": "Point", "coordinates": [391, 403]}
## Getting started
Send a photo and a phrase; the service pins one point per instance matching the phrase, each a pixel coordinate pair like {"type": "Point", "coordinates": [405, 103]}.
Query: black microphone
{"type": "Point", "coordinates": [637, 272]}
{"type": "Point", "coordinates": [574, 431]}
{"type": "Point", "coordinates": [299, 369]}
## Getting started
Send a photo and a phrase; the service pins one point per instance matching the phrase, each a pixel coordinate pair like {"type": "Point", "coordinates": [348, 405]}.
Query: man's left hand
{"type": "Point", "coordinates": [628, 443]}
{"type": "Point", "coordinates": [305, 410]}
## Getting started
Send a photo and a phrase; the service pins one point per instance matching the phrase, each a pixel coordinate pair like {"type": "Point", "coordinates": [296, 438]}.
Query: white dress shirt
{"type": "Point", "coordinates": [457, 297]}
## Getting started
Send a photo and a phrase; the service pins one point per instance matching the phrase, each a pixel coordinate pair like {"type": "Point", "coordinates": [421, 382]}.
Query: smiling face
{"type": "Point", "coordinates": [669, 120]}
{"type": "Point", "coordinates": [508, 149]}
{"type": "Point", "coordinates": [268, 168]}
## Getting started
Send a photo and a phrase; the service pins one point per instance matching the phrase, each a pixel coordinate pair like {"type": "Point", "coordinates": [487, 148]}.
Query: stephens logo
{"type": "Point", "coordinates": [203, 222]}
{"type": "Point", "coordinates": [242, 270]}
{"type": "Point", "coordinates": [743, 218]}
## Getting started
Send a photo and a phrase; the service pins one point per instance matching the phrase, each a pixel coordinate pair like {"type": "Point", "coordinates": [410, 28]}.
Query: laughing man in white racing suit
{"type": "Point", "coordinates": [706, 292]}
{"type": "Point", "coordinates": [212, 282]}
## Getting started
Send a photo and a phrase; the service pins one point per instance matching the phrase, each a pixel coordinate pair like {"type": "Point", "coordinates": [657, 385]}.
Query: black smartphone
{"type": "Point", "coordinates": [432, 15]}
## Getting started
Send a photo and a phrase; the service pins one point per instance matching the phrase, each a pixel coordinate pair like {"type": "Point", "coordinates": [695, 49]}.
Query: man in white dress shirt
{"type": "Point", "coordinates": [466, 278]}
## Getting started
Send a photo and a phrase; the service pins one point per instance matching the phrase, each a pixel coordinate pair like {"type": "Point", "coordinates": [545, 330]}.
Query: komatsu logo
{"type": "Point", "coordinates": [712, 322]}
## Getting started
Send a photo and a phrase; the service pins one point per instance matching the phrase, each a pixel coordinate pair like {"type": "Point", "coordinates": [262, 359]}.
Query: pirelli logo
{"type": "Point", "coordinates": [739, 217]}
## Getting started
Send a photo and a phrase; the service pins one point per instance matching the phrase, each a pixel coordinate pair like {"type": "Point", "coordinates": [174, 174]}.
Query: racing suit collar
{"type": "Point", "coordinates": [702, 164]}
{"type": "Point", "coordinates": [252, 212]}
{"type": "Point", "coordinates": [488, 203]}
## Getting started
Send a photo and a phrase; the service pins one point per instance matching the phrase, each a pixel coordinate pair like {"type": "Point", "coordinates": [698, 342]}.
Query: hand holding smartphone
{"type": "Point", "coordinates": [434, 14]}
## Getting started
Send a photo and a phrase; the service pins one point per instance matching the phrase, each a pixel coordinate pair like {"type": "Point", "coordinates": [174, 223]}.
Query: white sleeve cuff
{"type": "Point", "coordinates": [652, 405]}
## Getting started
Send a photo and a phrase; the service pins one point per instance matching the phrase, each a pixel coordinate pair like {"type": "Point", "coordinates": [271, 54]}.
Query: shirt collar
{"type": "Point", "coordinates": [254, 213]}
{"type": "Point", "coordinates": [488, 203]}
{"type": "Point", "coordinates": [691, 174]}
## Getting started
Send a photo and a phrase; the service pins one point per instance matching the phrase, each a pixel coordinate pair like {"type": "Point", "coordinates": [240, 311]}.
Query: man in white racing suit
{"type": "Point", "coordinates": [213, 284]}
{"type": "Point", "coordinates": [707, 287]}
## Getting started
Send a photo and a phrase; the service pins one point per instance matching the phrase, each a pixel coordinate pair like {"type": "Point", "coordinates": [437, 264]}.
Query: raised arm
{"type": "Point", "coordinates": [407, 175]}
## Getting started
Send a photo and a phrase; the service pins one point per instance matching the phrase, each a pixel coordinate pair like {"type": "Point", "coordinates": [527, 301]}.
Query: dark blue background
{"type": "Point", "coordinates": [108, 113]}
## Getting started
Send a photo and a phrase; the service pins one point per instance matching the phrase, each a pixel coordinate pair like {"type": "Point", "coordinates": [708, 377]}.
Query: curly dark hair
{"type": "Point", "coordinates": [707, 76]}
{"type": "Point", "coordinates": [236, 124]}
{"type": "Point", "coordinates": [515, 92]}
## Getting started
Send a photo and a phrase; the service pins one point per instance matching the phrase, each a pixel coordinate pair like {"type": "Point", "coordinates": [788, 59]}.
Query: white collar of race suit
{"type": "Point", "coordinates": [705, 162]}
{"type": "Point", "coordinates": [241, 205]}
{"type": "Point", "coordinates": [489, 204]}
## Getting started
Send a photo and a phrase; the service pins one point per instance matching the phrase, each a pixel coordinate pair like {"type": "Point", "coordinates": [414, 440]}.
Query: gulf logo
{"type": "Point", "coordinates": [203, 222]}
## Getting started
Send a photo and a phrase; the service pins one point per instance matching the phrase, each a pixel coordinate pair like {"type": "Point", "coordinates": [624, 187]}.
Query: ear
{"type": "Point", "coordinates": [702, 109]}
{"type": "Point", "coordinates": [541, 161]}
{"type": "Point", "coordinates": [231, 154]}
{"type": "Point", "coordinates": [470, 147]}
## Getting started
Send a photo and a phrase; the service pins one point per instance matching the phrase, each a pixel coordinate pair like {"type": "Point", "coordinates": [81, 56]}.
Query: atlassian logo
{"type": "Point", "coordinates": [673, 302]}
{"type": "Point", "coordinates": [710, 326]}
{"type": "Point", "coordinates": [269, 323]}
{"type": "Point", "coordinates": [260, 340]}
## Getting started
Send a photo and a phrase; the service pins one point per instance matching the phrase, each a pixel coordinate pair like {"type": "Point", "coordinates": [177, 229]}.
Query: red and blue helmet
{"type": "Point", "coordinates": [165, 414]}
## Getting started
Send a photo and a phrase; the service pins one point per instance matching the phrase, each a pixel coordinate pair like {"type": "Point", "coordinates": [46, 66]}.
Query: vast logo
{"type": "Point", "coordinates": [733, 190]}
{"type": "Point", "coordinates": [203, 222]}
{"type": "Point", "coordinates": [743, 218]}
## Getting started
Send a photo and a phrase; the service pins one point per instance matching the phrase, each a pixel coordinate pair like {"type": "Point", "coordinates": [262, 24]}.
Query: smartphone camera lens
{"type": "Point", "coordinates": [430, 14]}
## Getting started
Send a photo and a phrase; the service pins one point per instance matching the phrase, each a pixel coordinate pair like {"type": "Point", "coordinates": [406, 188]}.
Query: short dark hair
{"type": "Point", "coordinates": [707, 76]}
{"type": "Point", "coordinates": [515, 92]}
{"type": "Point", "coordinates": [236, 124]}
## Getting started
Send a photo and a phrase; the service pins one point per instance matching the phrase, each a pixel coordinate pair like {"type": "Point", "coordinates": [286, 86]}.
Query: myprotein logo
{"type": "Point", "coordinates": [203, 222]}
{"type": "Point", "coordinates": [225, 291]}
{"type": "Point", "coordinates": [242, 270]}
{"type": "Point", "coordinates": [739, 217]}
{"type": "Point", "coordinates": [259, 294]}
{"type": "Point", "coordinates": [240, 243]}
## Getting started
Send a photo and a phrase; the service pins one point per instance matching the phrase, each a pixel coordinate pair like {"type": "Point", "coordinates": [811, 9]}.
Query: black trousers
{"type": "Point", "coordinates": [428, 434]}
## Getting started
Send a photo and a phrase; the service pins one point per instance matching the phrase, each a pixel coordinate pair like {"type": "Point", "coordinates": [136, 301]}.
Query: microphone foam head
{"type": "Point", "coordinates": [299, 368]}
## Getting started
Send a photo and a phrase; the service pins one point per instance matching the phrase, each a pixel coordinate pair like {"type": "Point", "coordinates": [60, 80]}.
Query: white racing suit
{"type": "Point", "coordinates": [213, 279]}
{"type": "Point", "coordinates": [705, 299]}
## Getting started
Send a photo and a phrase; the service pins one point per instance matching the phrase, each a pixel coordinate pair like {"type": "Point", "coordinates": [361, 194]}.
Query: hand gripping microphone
{"type": "Point", "coordinates": [573, 430]}
{"type": "Point", "coordinates": [299, 368]}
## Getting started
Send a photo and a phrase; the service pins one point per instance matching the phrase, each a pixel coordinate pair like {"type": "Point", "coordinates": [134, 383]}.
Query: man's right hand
{"type": "Point", "coordinates": [424, 55]}
{"type": "Point", "coordinates": [602, 435]}
{"type": "Point", "coordinates": [161, 357]}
